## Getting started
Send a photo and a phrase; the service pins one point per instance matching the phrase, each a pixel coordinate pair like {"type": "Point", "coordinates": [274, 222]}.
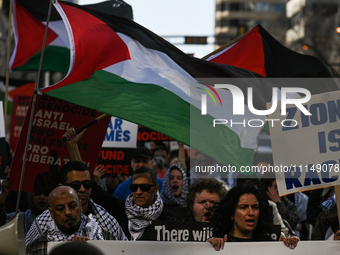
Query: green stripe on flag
{"type": "Point", "coordinates": [154, 107]}
{"type": "Point", "coordinates": [55, 59]}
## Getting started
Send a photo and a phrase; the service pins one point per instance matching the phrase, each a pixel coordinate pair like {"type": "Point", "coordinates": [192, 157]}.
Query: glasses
{"type": "Point", "coordinates": [88, 184]}
{"type": "Point", "coordinates": [143, 187]}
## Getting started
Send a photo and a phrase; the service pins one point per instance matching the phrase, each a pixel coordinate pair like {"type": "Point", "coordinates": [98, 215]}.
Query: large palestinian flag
{"type": "Point", "coordinates": [120, 68]}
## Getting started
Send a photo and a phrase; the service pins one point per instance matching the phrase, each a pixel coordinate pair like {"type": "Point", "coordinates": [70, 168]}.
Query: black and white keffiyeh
{"type": "Point", "coordinates": [166, 194]}
{"type": "Point", "coordinates": [88, 228]}
{"type": "Point", "coordinates": [140, 217]}
{"type": "Point", "coordinates": [100, 216]}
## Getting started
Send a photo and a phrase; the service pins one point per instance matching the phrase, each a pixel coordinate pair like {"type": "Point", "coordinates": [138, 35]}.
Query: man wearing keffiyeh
{"type": "Point", "coordinates": [77, 175]}
{"type": "Point", "coordinates": [68, 223]}
{"type": "Point", "coordinates": [144, 204]}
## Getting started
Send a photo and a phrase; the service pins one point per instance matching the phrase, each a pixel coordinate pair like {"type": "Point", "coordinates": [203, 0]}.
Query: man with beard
{"type": "Point", "coordinates": [77, 176]}
{"type": "Point", "coordinates": [68, 223]}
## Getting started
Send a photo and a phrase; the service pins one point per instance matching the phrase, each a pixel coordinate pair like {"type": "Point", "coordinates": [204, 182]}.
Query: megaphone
{"type": "Point", "coordinates": [12, 237]}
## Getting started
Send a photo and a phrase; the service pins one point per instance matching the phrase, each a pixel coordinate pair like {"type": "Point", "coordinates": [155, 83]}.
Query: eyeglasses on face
{"type": "Point", "coordinates": [143, 187]}
{"type": "Point", "coordinates": [88, 184]}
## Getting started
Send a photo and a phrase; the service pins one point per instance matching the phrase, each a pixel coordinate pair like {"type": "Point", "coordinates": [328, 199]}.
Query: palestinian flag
{"type": "Point", "coordinates": [120, 68]}
{"type": "Point", "coordinates": [29, 29]}
{"type": "Point", "coordinates": [261, 53]}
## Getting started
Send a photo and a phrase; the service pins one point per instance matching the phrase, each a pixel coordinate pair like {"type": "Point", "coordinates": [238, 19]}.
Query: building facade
{"type": "Point", "coordinates": [234, 17]}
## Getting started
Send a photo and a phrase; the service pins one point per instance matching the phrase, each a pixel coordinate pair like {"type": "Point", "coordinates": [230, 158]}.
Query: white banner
{"type": "Point", "coordinates": [203, 248]}
{"type": "Point", "coordinates": [120, 134]}
{"type": "Point", "coordinates": [306, 148]}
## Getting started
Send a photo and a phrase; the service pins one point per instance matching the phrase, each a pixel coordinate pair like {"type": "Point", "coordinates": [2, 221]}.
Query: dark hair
{"type": "Point", "coordinates": [222, 217]}
{"type": "Point", "coordinates": [210, 185]}
{"type": "Point", "coordinates": [71, 166]}
{"type": "Point", "coordinates": [143, 170]}
{"type": "Point", "coordinates": [71, 248]}
{"type": "Point", "coordinates": [159, 146]}
{"type": "Point", "coordinates": [266, 181]}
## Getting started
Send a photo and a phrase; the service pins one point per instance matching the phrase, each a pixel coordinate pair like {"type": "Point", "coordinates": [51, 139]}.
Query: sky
{"type": "Point", "coordinates": [175, 18]}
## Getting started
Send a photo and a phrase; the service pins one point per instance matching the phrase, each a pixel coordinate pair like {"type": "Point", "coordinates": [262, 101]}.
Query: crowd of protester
{"type": "Point", "coordinates": [101, 206]}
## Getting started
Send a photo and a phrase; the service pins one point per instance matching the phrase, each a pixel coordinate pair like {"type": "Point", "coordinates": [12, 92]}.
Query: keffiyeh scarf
{"type": "Point", "coordinates": [166, 194]}
{"type": "Point", "coordinates": [140, 217]}
{"type": "Point", "coordinates": [105, 220]}
{"type": "Point", "coordinates": [88, 228]}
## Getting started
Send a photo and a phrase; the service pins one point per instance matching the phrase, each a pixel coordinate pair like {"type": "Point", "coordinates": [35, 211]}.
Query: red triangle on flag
{"type": "Point", "coordinates": [247, 53]}
{"type": "Point", "coordinates": [29, 35]}
{"type": "Point", "coordinates": [92, 53]}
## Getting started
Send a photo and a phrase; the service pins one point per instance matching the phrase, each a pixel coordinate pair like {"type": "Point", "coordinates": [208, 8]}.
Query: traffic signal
{"type": "Point", "coordinates": [195, 40]}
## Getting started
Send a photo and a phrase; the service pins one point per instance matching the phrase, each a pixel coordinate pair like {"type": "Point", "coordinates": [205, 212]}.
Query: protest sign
{"type": "Point", "coordinates": [306, 147]}
{"type": "Point", "coordinates": [148, 135]}
{"type": "Point", "coordinates": [19, 112]}
{"type": "Point", "coordinates": [181, 231]}
{"type": "Point", "coordinates": [46, 151]}
{"type": "Point", "coordinates": [115, 160]}
{"type": "Point", "coordinates": [119, 143]}
{"type": "Point", "coordinates": [3, 151]}
{"type": "Point", "coordinates": [120, 134]}
{"type": "Point", "coordinates": [205, 248]}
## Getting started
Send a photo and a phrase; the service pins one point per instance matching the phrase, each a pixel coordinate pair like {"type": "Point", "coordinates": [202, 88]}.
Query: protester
{"type": "Point", "coordinates": [109, 182]}
{"type": "Point", "coordinates": [327, 225]}
{"type": "Point", "coordinates": [204, 195]}
{"type": "Point", "coordinates": [175, 190]}
{"type": "Point", "coordinates": [285, 207]}
{"type": "Point", "coordinates": [37, 203]}
{"type": "Point", "coordinates": [177, 157]}
{"type": "Point", "coordinates": [141, 157]}
{"type": "Point", "coordinates": [242, 216]}
{"type": "Point", "coordinates": [68, 223]}
{"type": "Point", "coordinates": [161, 156]}
{"type": "Point", "coordinates": [77, 175]}
{"type": "Point", "coordinates": [144, 204]}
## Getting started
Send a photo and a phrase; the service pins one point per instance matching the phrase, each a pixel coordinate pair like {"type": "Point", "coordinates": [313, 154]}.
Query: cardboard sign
{"type": "Point", "coordinates": [185, 231]}
{"type": "Point", "coordinates": [46, 151]}
{"type": "Point", "coordinates": [19, 112]}
{"type": "Point", "coordinates": [120, 134]}
{"type": "Point", "coordinates": [116, 160]}
{"type": "Point", "coordinates": [148, 135]}
{"type": "Point", "coordinates": [306, 147]}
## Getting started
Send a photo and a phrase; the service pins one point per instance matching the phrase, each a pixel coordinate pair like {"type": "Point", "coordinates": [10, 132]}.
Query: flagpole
{"type": "Point", "coordinates": [10, 18]}
{"type": "Point", "coordinates": [225, 46]}
{"type": "Point", "coordinates": [34, 99]}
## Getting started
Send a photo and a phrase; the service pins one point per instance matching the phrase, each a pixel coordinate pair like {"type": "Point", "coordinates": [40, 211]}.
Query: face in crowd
{"type": "Point", "coordinates": [138, 162]}
{"type": "Point", "coordinates": [246, 216]}
{"type": "Point", "coordinates": [40, 201]}
{"type": "Point", "coordinates": [176, 182]}
{"type": "Point", "coordinates": [203, 203]}
{"type": "Point", "coordinates": [81, 182]}
{"type": "Point", "coordinates": [143, 189]}
{"type": "Point", "coordinates": [65, 209]}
